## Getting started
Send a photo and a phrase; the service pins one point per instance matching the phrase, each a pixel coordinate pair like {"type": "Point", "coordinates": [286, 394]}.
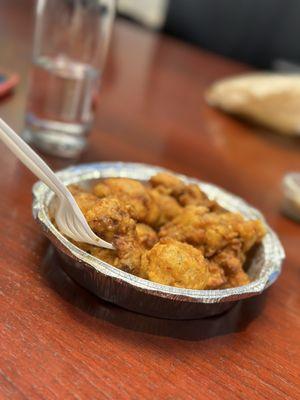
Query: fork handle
{"type": "Point", "coordinates": [31, 159]}
{"type": "Point", "coordinates": [39, 168]}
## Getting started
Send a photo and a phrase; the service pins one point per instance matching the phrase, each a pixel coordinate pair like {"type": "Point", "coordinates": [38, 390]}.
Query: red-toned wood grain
{"type": "Point", "coordinates": [57, 341]}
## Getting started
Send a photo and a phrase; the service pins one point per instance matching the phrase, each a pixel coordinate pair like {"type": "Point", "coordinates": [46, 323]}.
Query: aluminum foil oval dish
{"type": "Point", "coordinates": [140, 295]}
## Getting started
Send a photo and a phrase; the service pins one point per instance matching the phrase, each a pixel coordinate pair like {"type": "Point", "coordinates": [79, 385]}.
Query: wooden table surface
{"type": "Point", "coordinates": [57, 341]}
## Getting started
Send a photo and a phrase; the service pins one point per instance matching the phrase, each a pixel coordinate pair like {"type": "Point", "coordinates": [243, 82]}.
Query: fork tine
{"type": "Point", "coordinates": [65, 221]}
{"type": "Point", "coordinates": [77, 228]}
{"type": "Point", "coordinates": [62, 226]}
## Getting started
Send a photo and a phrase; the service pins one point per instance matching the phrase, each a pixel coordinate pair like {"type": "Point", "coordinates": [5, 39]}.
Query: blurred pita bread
{"type": "Point", "coordinates": [272, 100]}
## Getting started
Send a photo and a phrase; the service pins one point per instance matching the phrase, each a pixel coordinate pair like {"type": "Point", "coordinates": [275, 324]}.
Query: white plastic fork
{"type": "Point", "coordinates": [68, 217]}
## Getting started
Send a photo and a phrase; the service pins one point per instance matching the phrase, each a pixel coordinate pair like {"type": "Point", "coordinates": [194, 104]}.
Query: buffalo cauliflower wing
{"type": "Point", "coordinates": [168, 232]}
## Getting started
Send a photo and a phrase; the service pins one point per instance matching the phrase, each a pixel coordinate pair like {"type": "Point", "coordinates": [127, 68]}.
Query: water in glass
{"type": "Point", "coordinates": [60, 111]}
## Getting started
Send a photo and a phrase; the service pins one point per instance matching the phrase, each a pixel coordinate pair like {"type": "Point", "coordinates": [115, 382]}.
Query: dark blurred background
{"type": "Point", "coordinates": [258, 32]}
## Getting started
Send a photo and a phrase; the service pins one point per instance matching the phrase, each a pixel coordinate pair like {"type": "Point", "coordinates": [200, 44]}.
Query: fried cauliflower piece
{"type": "Point", "coordinates": [199, 245]}
{"type": "Point", "coordinates": [115, 186]}
{"type": "Point", "coordinates": [228, 227]}
{"type": "Point", "coordinates": [185, 194]}
{"type": "Point", "coordinates": [217, 278]}
{"type": "Point", "coordinates": [186, 227]}
{"type": "Point", "coordinates": [146, 235]}
{"type": "Point", "coordinates": [107, 255]}
{"type": "Point", "coordinates": [167, 205]}
{"type": "Point", "coordinates": [147, 206]}
{"type": "Point", "coordinates": [126, 256]}
{"type": "Point", "coordinates": [109, 218]}
{"type": "Point", "coordinates": [167, 183]}
{"type": "Point", "coordinates": [134, 194]}
{"type": "Point", "coordinates": [212, 231]}
{"type": "Point", "coordinates": [240, 278]}
{"type": "Point", "coordinates": [231, 260]}
{"type": "Point", "coordinates": [251, 232]}
{"type": "Point", "coordinates": [129, 251]}
{"type": "Point", "coordinates": [175, 264]}
{"type": "Point", "coordinates": [85, 200]}
{"type": "Point", "coordinates": [193, 195]}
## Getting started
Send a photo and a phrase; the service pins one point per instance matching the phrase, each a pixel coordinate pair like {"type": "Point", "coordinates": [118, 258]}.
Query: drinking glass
{"type": "Point", "coordinates": [70, 44]}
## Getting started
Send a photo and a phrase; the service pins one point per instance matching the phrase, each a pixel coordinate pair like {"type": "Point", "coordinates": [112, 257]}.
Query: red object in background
{"type": "Point", "coordinates": [7, 82]}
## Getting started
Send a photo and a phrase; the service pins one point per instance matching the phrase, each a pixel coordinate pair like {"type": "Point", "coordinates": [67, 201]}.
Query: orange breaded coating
{"type": "Point", "coordinates": [129, 251]}
{"type": "Point", "coordinates": [217, 278]}
{"type": "Point", "coordinates": [251, 232]}
{"type": "Point", "coordinates": [115, 186]}
{"type": "Point", "coordinates": [108, 217]}
{"type": "Point", "coordinates": [231, 260]}
{"type": "Point", "coordinates": [146, 235]}
{"type": "Point", "coordinates": [167, 183]}
{"type": "Point", "coordinates": [107, 255]}
{"type": "Point", "coordinates": [134, 194]}
{"type": "Point", "coordinates": [186, 227]}
{"type": "Point", "coordinates": [86, 201]}
{"type": "Point", "coordinates": [168, 232]}
{"type": "Point", "coordinates": [167, 205]}
{"type": "Point", "coordinates": [193, 195]}
{"type": "Point", "coordinates": [185, 194]}
{"type": "Point", "coordinates": [212, 231]}
{"type": "Point", "coordinates": [175, 264]}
